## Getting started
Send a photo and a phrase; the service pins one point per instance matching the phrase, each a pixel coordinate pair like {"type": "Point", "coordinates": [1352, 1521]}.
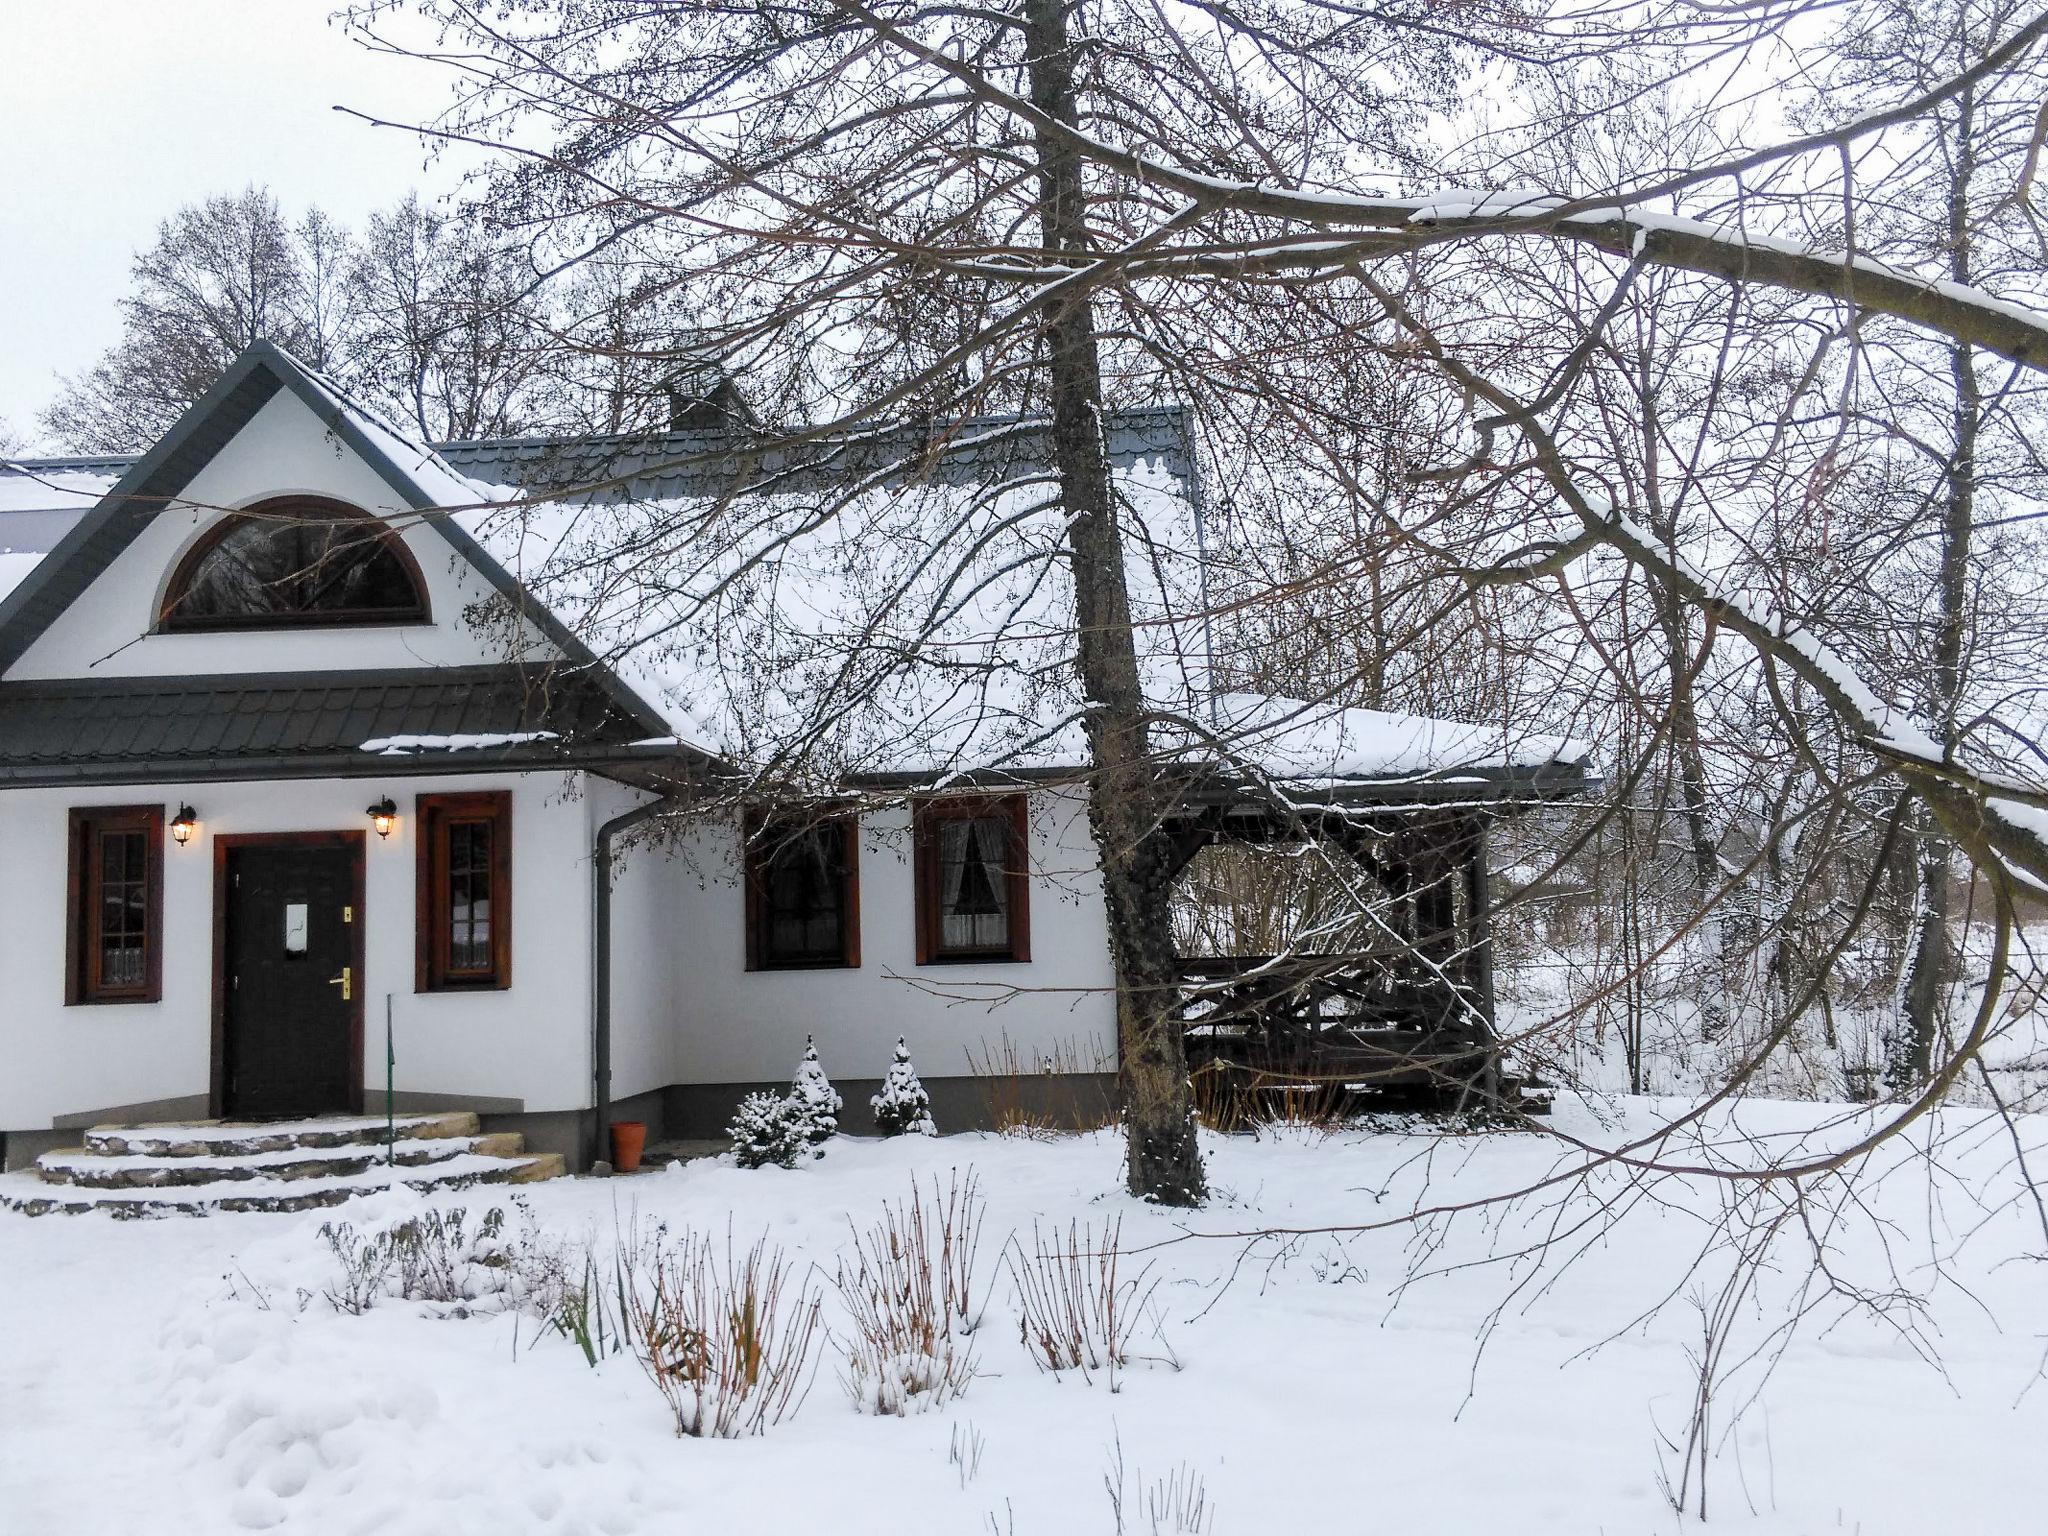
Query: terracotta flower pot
{"type": "Point", "coordinates": [629, 1140]}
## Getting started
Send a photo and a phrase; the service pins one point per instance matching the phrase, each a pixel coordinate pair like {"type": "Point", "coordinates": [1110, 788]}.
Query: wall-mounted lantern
{"type": "Point", "coordinates": [184, 824]}
{"type": "Point", "coordinates": [383, 816]}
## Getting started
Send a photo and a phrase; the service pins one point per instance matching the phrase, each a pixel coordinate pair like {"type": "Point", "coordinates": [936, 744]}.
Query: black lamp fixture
{"type": "Point", "coordinates": [383, 816]}
{"type": "Point", "coordinates": [184, 824]}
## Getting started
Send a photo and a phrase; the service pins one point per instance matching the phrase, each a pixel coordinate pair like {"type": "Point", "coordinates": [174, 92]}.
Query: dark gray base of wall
{"type": "Point", "coordinates": [1067, 1100]}
{"type": "Point", "coordinates": [18, 1149]}
{"type": "Point", "coordinates": [570, 1131]}
{"type": "Point", "coordinates": [683, 1112]}
{"type": "Point", "coordinates": [191, 1106]}
{"type": "Point", "coordinates": [407, 1102]}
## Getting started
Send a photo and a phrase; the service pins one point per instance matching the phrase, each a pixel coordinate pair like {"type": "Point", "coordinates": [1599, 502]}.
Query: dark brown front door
{"type": "Point", "coordinates": [291, 975]}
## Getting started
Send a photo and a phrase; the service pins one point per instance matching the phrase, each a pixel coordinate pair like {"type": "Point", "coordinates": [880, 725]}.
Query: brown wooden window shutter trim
{"type": "Point", "coordinates": [928, 817]}
{"type": "Point", "coordinates": [122, 962]}
{"type": "Point", "coordinates": [765, 835]}
{"type": "Point", "coordinates": [464, 846]}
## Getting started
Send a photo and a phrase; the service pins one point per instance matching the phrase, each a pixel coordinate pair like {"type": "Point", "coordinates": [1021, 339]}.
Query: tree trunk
{"type": "Point", "coordinates": [1124, 798]}
{"type": "Point", "coordinates": [1931, 969]}
{"type": "Point", "coordinates": [1715, 939]}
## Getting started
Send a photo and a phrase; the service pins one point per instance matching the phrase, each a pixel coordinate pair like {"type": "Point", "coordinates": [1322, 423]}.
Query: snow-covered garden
{"type": "Point", "coordinates": [253, 1371]}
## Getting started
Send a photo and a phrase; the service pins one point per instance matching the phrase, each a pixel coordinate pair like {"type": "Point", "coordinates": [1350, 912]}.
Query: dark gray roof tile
{"type": "Point", "coordinates": [103, 726]}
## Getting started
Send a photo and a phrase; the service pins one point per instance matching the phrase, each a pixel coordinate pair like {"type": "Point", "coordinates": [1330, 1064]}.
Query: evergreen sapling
{"type": "Point", "coordinates": [767, 1128]}
{"type": "Point", "coordinates": [817, 1102]}
{"type": "Point", "coordinates": [903, 1108]}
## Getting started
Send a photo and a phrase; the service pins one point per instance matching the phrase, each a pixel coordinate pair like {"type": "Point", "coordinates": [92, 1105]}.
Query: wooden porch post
{"type": "Point", "coordinates": [1479, 908]}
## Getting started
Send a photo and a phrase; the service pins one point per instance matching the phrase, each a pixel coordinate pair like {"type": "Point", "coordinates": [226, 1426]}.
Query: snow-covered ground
{"type": "Point", "coordinates": [188, 1376]}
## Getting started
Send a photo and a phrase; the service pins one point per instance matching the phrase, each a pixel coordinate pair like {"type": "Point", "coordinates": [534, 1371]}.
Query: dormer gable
{"type": "Point", "coordinates": [275, 491]}
{"type": "Point", "coordinates": [283, 584]}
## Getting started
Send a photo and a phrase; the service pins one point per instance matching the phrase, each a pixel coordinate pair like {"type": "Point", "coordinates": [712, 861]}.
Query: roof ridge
{"type": "Point", "coordinates": [1117, 416]}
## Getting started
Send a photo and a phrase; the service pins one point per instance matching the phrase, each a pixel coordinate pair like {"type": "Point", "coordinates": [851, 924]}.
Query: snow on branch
{"type": "Point", "coordinates": [1997, 819]}
{"type": "Point", "coordinates": [1957, 311]}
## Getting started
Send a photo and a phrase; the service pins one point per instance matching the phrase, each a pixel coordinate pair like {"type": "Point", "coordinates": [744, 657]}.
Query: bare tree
{"type": "Point", "coordinates": [1626, 389]}
{"type": "Point", "coordinates": [448, 326]}
{"type": "Point", "coordinates": [222, 273]}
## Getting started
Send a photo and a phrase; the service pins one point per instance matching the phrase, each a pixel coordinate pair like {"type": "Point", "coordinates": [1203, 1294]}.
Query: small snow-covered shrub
{"type": "Point", "coordinates": [1075, 1312]}
{"type": "Point", "coordinates": [816, 1099]}
{"type": "Point", "coordinates": [903, 1108]}
{"type": "Point", "coordinates": [909, 1291]}
{"type": "Point", "coordinates": [727, 1338]}
{"type": "Point", "coordinates": [436, 1257]}
{"type": "Point", "coordinates": [768, 1128]}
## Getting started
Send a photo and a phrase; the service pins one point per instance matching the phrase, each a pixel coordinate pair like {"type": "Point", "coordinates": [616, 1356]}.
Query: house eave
{"type": "Point", "coordinates": [1492, 785]}
{"type": "Point", "coordinates": [666, 765]}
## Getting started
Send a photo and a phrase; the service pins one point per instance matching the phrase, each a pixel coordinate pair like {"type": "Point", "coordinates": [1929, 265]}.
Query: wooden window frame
{"type": "Point", "coordinates": [82, 985]}
{"type": "Point", "coordinates": [926, 816]}
{"type": "Point", "coordinates": [756, 826]}
{"type": "Point", "coordinates": [321, 508]}
{"type": "Point", "coordinates": [432, 971]}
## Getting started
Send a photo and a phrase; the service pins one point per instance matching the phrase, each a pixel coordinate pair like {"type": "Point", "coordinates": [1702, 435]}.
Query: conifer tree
{"type": "Point", "coordinates": [768, 1128]}
{"type": "Point", "coordinates": [903, 1108]}
{"type": "Point", "coordinates": [818, 1103]}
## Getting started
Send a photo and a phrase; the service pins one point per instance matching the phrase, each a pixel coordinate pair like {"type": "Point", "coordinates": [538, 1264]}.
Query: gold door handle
{"type": "Point", "coordinates": [343, 981]}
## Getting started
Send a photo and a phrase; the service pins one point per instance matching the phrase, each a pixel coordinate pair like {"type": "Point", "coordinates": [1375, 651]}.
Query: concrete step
{"type": "Point", "coordinates": [230, 1138]}
{"type": "Point", "coordinates": [85, 1168]}
{"type": "Point", "coordinates": [30, 1194]}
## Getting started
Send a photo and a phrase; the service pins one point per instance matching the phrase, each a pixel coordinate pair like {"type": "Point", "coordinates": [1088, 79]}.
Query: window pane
{"type": "Point", "coordinates": [121, 962]}
{"type": "Point", "coordinates": [281, 565]}
{"type": "Point", "coordinates": [469, 897]}
{"type": "Point", "coordinates": [123, 908]}
{"type": "Point", "coordinates": [974, 891]}
{"type": "Point", "coordinates": [803, 896]}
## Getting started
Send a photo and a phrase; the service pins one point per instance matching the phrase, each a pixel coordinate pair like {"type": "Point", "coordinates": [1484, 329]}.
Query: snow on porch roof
{"type": "Point", "coordinates": [1306, 751]}
{"type": "Point", "coordinates": [1300, 743]}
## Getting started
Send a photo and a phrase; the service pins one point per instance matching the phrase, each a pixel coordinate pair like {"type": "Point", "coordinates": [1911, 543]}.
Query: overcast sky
{"type": "Point", "coordinates": [117, 111]}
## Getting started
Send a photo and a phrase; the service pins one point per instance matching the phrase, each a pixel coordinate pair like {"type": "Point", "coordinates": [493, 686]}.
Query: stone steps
{"type": "Point", "coordinates": [194, 1168]}
{"type": "Point", "coordinates": [224, 1138]}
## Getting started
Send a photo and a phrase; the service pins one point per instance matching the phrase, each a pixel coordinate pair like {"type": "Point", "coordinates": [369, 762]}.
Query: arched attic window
{"type": "Point", "coordinates": [295, 561]}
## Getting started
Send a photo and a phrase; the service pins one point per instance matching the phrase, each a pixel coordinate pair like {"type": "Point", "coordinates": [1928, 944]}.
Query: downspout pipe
{"type": "Point", "coordinates": [601, 967]}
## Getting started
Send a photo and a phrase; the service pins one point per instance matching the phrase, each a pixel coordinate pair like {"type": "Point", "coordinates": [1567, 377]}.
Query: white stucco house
{"type": "Point", "coordinates": [304, 797]}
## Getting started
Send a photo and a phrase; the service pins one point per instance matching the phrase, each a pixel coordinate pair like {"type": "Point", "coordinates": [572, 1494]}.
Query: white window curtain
{"type": "Point", "coordinates": [974, 896]}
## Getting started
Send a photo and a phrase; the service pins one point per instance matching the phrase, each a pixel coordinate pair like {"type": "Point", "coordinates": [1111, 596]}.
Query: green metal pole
{"type": "Point", "coordinates": [390, 1102]}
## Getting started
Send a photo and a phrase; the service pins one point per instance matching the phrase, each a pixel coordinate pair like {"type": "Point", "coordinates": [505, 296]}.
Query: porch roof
{"type": "Point", "coordinates": [299, 725]}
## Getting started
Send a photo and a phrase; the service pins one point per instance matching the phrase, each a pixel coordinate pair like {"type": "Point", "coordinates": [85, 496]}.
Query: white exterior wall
{"type": "Point", "coordinates": [741, 1026]}
{"type": "Point", "coordinates": [529, 1042]}
{"type": "Point", "coordinates": [685, 1009]}
{"type": "Point", "coordinates": [654, 955]}
{"type": "Point", "coordinates": [283, 450]}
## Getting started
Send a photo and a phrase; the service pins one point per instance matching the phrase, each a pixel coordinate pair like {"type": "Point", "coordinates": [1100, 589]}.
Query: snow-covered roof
{"type": "Point", "coordinates": [14, 568]}
{"type": "Point", "coordinates": [898, 628]}
{"type": "Point", "coordinates": [891, 603]}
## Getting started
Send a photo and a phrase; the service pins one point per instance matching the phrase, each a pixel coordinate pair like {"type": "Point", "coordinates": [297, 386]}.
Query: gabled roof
{"type": "Point", "coordinates": [415, 474]}
{"type": "Point", "coordinates": [577, 524]}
